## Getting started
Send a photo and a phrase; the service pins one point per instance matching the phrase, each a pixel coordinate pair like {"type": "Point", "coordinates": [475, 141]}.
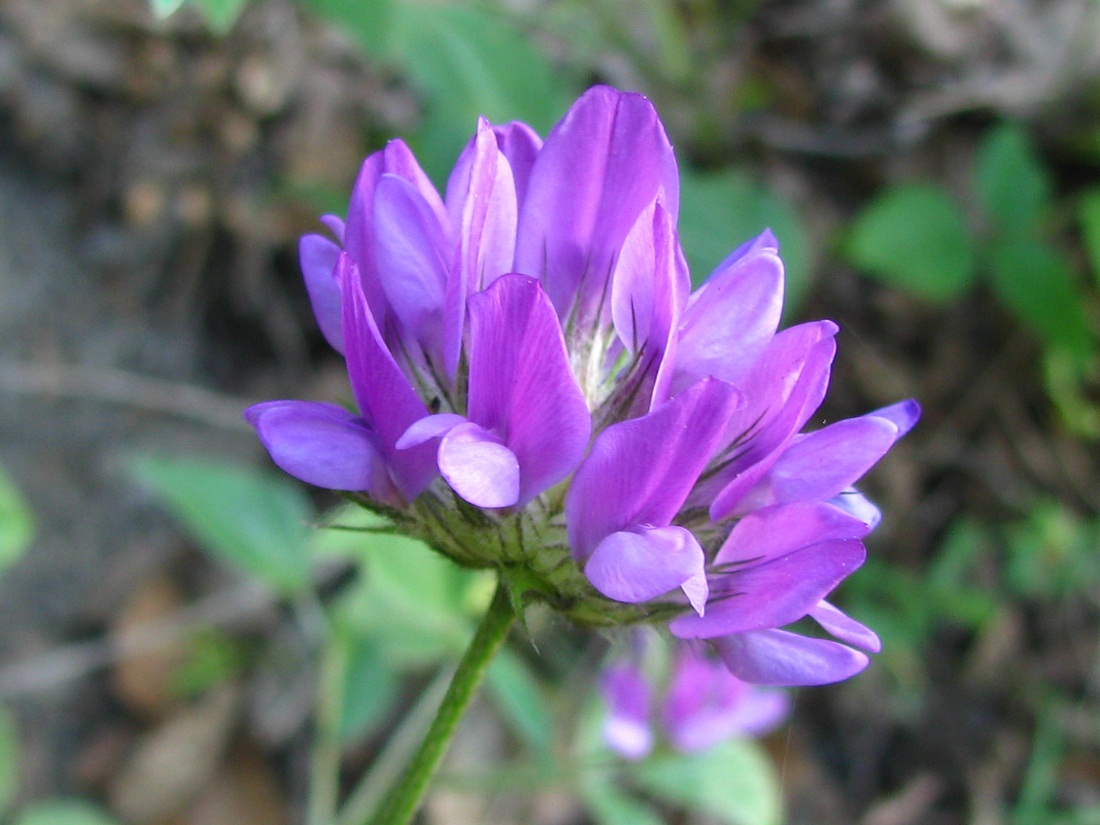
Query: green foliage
{"type": "Point", "coordinates": [253, 521]}
{"type": "Point", "coordinates": [16, 523]}
{"type": "Point", "coordinates": [64, 812]}
{"type": "Point", "coordinates": [522, 700]}
{"type": "Point", "coordinates": [1012, 183]}
{"type": "Point", "coordinates": [466, 60]}
{"type": "Point", "coordinates": [610, 804]}
{"type": "Point", "coordinates": [733, 782]}
{"type": "Point", "coordinates": [9, 760]}
{"type": "Point", "coordinates": [915, 236]}
{"type": "Point", "coordinates": [1088, 214]}
{"type": "Point", "coordinates": [220, 15]}
{"type": "Point", "coordinates": [721, 209]}
{"type": "Point", "coordinates": [371, 686]}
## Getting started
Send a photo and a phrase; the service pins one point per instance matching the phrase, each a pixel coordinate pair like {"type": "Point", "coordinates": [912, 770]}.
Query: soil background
{"type": "Point", "coordinates": [154, 179]}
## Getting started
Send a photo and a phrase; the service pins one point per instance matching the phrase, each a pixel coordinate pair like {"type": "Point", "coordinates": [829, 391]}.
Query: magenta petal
{"type": "Point", "coordinates": [479, 467]}
{"type": "Point", "coordinates": [732, 318]}
{"type": "Point", "coordinates": [640, 471]}
{"type": "Point", "coordinates": [772, 594]}
{"type": "Point", "coordinates": [386, 399]}
{"type": "Point", "coordinates": [640, 564]}
{"type": "Point", "coordinates": [321, 444]}
{"type": "Point", "coordinates": [777, 657]}
{"type": "Point", "coordinates": [773, 531]}
{"type": "Point", "coordinates": [845, 628]}
{"type": "Point", "coordinates": [318, 256]}
{"type": "Point", "coordinates": [521, 385]}
{"type": "Point", "coordinates": [606, 160]}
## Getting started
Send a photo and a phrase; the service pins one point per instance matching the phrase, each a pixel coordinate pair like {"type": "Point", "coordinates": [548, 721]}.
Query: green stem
{"type": "Point", "coordinates": [404, 798]}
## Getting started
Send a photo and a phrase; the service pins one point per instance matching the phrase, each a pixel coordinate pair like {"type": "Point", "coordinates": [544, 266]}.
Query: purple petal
{"type": "Point", "coordinates": [412, 253]}
{"type": "Point", "coordinates": [600, 167]}
{"type": "Point", "coordinates": [859, 506]}
{"type": "Point", "coordinates": [730, 321]}
{"type": "Point", "coordinates": [765, 240]}
{"type": "Point", "coordinates": [318, 256]}
{"type": "Point", "coordinates": [479, 467]}
{"type": "Point", "coordinates": [640, 564]}
{"type": "Point", "coordinates": [904, 414]}
{"type": "Point", "coordinates": [773, 594]}
{"type": "Point", "coordinates": [775, 531]}
{"type": "Point", "coordinates": [824, 463]}
{"type": "Point", "coordinates": [845, 628]}
{"type": "Point", "coordinates": [336, 226]}
{"type": "Point", "coordinates": [777, 657]}
{"type": "Point", "coordinates": [321, 444]}
{"type": "Point", "coordinates": [520, 144]}
{"type": "Point", "coordinates": [626, 728]}
{"type": "Point", "coordinates": [482, 197]}
{"type": "Point", "coordinates": [361, 234]}
{"type": "Point", "coordinates": [386, 399]}
{"type": "Point", "coordinates": [521, 385]}
{"type": "Point", "coordinates": [640, 471]}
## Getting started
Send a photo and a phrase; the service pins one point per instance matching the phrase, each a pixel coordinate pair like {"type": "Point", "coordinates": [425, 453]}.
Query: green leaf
{"type": "Point", "coordinates": [16, 523]}
{"type": "Point", "coordinates": [611, 805]}
{"type": "Point", "coordinates": [471, 62]}
{"type": "Point", "coordinates": [9, 760]}
{"type": "Point", "coordinates": [410, 599]}
{"type": "Point", "coordinates": [1012, 183]}
{"type": "Point", "coordinates": [371, 686]}
{"type": "Point", "coordinates": [914, 236]}
{"type": "Point", "coordinates": [256, 522]}
{"type": "Point", "coordinates": [734, 782]}
{"type": "Point", "coordinates": [220, 15]}
{"type": "Point", "coordinates": [1088, 213]}
{"type": "Point", "coordinates": [165, 8]}
{"type": "Point", "coordinates": [64, 812]}
{"type": "Point", "coordinates": [721, 210]}
{"type": "Point", "coordinates": [1035, 281]}
{"type": "Point", "coordinates": [369, 22]}
{"type": "Point", "coordinates": [520, 697]}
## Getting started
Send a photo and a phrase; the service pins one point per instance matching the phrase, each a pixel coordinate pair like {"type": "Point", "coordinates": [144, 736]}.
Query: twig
{"type": "Point", "coordinates": [130, 389]}
{"type": "Point", "coordinates": [72, 662]}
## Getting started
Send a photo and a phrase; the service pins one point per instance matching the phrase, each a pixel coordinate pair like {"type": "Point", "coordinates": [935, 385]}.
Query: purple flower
{"type": "Point", "coordinates": [536, 390]}
{"type": "Point", "coordinates": [693, 702]}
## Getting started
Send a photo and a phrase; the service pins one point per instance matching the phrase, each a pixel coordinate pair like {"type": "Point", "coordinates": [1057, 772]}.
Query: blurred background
{"type": "Point", "coordinates": [168, 615]}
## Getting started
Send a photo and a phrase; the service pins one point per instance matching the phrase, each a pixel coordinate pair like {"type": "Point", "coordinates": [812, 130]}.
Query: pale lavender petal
{"type": "Point", "coordinates": [412, 257]}
{"type": "Point", "coordinates": [765, 240]}
{"type": "Point", "coordinates": [386, 400]}
{"type": "Point", "coordinates": [640, 564]}
{"type": "Point", "coordinates": [824, 463]}
{"type": "Point", "coordinates": [859, 506]}
{"type": "Point", "coordinates": [845, 628]}
{"type": "Point", "coordinates": [774, 531]}
{"type": "Point", "coordinates": [432, 426]}
{"type": "Point", "coordinates": [318, 255]}
{"type": "Point", "coordinates": [321, 444]}
{"type": "Point", "coordinates": [640, 471]}
{"type": "Point", "coordinates": [729, 324]}
{"type": "Point", "coordinates": [773, 594]}
{"type": "Point", "coordinates": [479, 467]}
{"type": "Point", "coordinates": [521, 385]}
{"type": "Point", "coordinates": [777, 657]}
{"type": "Point", "coordinates": [760, 712]}
{"type": "Point", "coordinates": [606, 160]}
{"type": "Point", "coordinates": [626, 728]}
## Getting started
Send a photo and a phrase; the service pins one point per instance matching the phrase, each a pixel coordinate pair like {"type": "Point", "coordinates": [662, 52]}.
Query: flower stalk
{"type": "Point", "coordinates": [404, 798]}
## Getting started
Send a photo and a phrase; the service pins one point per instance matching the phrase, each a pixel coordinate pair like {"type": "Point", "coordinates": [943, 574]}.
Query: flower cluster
{"type": "Point", "coordinates": [538, 391]}
{"type": "Point", "coordinates": [692, 702]}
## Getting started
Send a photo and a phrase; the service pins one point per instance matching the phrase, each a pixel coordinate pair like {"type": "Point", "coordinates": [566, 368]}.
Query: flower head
{"type": "Point", "coordinates": [537, 390]}
{"type": "Point", "coordinates": [692, 701]}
